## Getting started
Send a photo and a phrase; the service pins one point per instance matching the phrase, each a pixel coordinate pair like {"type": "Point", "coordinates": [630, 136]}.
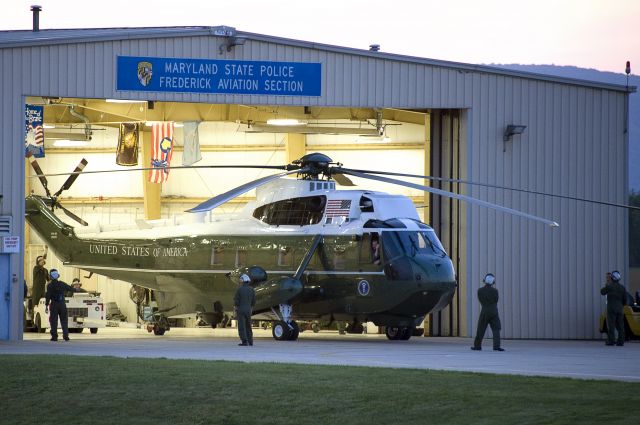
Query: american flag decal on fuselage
{"type": "Point", "coordinates": [338, 207]}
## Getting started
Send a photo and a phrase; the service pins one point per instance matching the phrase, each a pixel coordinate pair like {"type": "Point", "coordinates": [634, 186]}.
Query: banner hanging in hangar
{"type": "Point", "coordinates": [128, 144]}
{"type": "Point", "coordinates": [34, 131]}
{"type": "Point", "coordinates": [162, 151]}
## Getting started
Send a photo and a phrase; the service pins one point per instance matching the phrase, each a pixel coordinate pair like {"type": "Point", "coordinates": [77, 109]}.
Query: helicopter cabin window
{"type": "Point", "coordinates": [285, 254]}
{"type": "Point", "coordinates": [339, 258]}
{"type": "Point", "coordinates": [292, 212]}
{"type": "Point", "coordinates": [217, 256]}
{"type": "Point", "coordinates": [370, 249]}
{"type": "Point", "coordinates": [366, 204]}
{"type": "Point", "coordinates": [241, 257]}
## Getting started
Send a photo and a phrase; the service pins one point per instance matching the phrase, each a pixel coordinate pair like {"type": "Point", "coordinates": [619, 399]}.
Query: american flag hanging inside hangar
{"type": "Point", "coordinates": [338, 207]}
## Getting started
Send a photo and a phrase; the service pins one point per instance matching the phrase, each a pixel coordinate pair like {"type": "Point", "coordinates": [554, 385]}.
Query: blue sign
{"type": "Point", "coordinates": [218, 76]}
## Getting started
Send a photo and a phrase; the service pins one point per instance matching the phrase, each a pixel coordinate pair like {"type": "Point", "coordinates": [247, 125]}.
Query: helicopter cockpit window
{"type": "Point", "coordinates": [414, 243]}
{"type": "Point", "coordinates": [292, 212]}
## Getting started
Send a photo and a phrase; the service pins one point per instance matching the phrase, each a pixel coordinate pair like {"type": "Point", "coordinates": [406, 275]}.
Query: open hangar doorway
{"type": "Point", "coordinates": [384, 138]}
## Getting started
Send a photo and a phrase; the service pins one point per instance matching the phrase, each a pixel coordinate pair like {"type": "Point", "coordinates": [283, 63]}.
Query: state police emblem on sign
{"type": "Point", "coordinates": [363, 288]}
{"type": "Point", "coordinates": [145, 72]}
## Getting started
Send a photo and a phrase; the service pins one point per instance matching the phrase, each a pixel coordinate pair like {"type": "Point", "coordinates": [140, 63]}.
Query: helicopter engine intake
{"type": "Point", "coordinates": [275, 292]}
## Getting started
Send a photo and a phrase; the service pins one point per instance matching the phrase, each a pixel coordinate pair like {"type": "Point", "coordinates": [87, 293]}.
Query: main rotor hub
{"type": "Point", "coordinates": [315, 164]}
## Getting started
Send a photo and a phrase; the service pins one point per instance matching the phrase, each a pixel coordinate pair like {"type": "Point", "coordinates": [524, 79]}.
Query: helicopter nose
{"type": "Point", "coordinates": [435, 269]}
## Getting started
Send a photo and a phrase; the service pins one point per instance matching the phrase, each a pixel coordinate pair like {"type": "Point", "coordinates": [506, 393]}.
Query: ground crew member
{"type": "Point", "coordinates": [76, 285]}
{"type": "Point", "coordinates": [40, 278]}
{"type": "Point", "coordinates": [55, 295]}
{"type": "Point", "coordinates": [616, 300]}
{"type": "Point", "coordinates": [243, 302]}
{"type": "Point", "coordinates": [488, 297]}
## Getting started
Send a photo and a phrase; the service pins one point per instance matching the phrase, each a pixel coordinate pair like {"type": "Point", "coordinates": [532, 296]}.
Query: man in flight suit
{"type": "Point", "coordinates": [243, 302]}
{"type": "Point", "coordinates": [488, 297]}
{"type": "Point", "coordinates": [55, 295]}
{"type": "Point", "coordinates": [616, 300]}
{"type": "Point", "coordinates": [40, 278]}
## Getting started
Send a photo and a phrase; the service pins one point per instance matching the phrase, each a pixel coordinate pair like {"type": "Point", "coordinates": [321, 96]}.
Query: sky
{"type": "Point", "coordinates": [598, 34]}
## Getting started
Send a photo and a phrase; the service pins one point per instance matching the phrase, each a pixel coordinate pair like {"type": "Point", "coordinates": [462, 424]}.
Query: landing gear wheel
{"type": "Point", "coordinates": [293, 336]}
{"type": "Point", "coordinates": [393, 333]}
{"type": "Point", "coordinates": [406, 333]}
{"type": "Point", "coordinates": [157, 330]}
{"type": "Point", "coordinates": [280, 331]}
{"type": "Point", "coordinates": [93, 330]}
{"type": "Point", "coordinates": [355, 328]}
{"type": "Point", "coordinates": [315, 328]}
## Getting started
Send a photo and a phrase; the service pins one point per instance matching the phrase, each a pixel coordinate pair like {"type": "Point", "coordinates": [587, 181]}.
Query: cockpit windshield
{"type": "Point", "coordinates": [411, 243]}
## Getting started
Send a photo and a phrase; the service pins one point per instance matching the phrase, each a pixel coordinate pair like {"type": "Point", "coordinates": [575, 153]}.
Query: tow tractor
{"type": "Point", "coordinates": [85, 309]}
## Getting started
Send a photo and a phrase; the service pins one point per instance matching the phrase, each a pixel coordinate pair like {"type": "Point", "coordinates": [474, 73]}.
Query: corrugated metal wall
{"type": "Point", "coordinates": [574, 145]}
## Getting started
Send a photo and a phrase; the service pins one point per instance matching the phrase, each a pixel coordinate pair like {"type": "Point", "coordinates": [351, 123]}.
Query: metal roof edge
{"type": "Point", "coordinates": [439, 63]}
{"type": "Point", "coordinates": [84, 35]}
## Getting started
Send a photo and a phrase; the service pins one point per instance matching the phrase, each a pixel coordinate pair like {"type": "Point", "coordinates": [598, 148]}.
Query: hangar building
{"type": "Point", "coordinates": [365, 108]}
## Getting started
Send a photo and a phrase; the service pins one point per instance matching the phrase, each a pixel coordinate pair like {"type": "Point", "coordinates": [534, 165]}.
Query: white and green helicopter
{"type": "Point", "coordinates": [313, 252]}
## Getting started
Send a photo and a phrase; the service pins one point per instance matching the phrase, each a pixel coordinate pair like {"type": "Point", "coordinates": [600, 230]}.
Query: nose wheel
{"type": "Point", "coordinates": [398, 333]}
{"type": "Point", "coordinates": [283, 331]}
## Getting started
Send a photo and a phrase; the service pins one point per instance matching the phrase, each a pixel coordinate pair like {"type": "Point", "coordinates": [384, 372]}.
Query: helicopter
{"type": "Point", "coordinates": [313, 252]}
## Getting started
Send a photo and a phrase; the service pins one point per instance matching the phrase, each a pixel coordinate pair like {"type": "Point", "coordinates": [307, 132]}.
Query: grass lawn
{"type": "Point", "coordinates": [85, 390]}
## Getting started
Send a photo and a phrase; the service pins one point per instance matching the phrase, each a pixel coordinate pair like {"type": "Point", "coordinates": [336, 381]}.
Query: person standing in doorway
{"type": "Point", "coordinates": [40, 277]}
{"type": "Point", "coordinates": [243, 302]}
{"type": "Point", "coordinates": [616, 300]}
{"type": "Point", "coordinates": [488, 297]}
{"type": "Point", "coordinates": [54, 300]}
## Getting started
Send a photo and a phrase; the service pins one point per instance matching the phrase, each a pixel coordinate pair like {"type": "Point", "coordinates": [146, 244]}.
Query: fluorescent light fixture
{"type": "Point", "coordinates": [175, 124]}
{"type": "Point", "coordinates": [125, 101]}
{"type": "Point", "coordinates": [48, 126]}
{"type": "Point", "coordinates": [374, 139]}
{"type": "Point", "coordinates": [64, 143]}
{"type": "Point", "coordinates": [285, 121]}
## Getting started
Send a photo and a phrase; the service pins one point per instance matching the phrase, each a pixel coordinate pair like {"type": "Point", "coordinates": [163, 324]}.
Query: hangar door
{"type": "Point", "coordinates": [445, 213]}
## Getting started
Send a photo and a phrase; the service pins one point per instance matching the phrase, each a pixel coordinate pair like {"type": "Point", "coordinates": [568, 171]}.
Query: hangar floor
{"type": "Point", "coordinates": [573, 359]}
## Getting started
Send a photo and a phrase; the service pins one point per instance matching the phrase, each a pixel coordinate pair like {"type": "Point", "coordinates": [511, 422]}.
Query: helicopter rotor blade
{"type": "Point", "coordinates": [342, 180]}
{"type": "Point", "coordinates": [224, 197]}
{"type": "Point", "coordinates": [492, 186]}
{"type": "Point", "coordinates": [72, 177]}
{"type": "Point", "coordinates": [450, 195]}
{"type": "Point", "coordinates": [182, 167]}
{"type": "Point", "coordinates": [72, 215]}
{"type": "Point", "coordinates": [41, 175]}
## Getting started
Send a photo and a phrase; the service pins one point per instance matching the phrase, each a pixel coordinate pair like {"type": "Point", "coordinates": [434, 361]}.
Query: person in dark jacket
{"type": "Point", "coordinates": [54, 300]}
{"type": "Point", "coordinates": [40, 278]}
{"type": "Point", "coordinates": [488, 297]}
{"type": "Point", "coordinates": [616, 300]}
{"type": "Point", "coordinates": [243, 302]}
